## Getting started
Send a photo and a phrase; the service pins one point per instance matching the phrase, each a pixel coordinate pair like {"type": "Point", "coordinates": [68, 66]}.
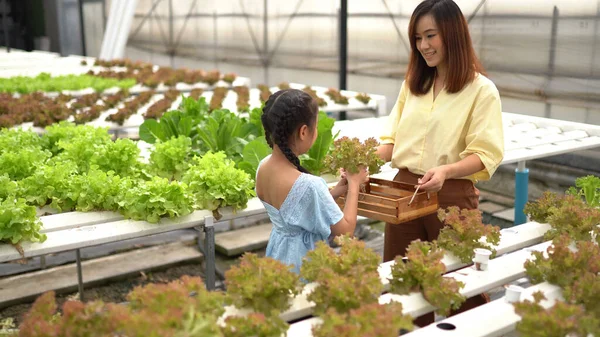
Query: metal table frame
{"type": "Point", "coordinates": [208, 250]}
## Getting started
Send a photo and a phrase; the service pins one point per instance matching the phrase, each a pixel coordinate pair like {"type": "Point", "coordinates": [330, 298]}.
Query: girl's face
{"type": "Point", "coordinates": [429, 42]}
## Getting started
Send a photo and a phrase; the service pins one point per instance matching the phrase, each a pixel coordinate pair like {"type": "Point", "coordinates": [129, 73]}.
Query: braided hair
{"type": "Point", "coordinates": [284, 112]}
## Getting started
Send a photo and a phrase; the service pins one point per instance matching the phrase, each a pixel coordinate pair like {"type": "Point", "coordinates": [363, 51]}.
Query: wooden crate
{"type": "Point", "coordinates": [387, 201]}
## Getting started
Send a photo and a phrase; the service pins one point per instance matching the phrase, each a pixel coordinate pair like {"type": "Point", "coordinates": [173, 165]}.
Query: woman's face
{"type": "Point", "coordinates": [429, 42]}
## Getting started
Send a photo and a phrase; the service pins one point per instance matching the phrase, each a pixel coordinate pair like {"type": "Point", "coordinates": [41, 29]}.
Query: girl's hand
{"type": "Point", "coordinates": [434, 179]}
{"type": "Point", "coordinates": [341, 187]}
{"type": "Point", "coordinates": [358, 178]}
{"type": "Point", "coordinates": [343, 173]}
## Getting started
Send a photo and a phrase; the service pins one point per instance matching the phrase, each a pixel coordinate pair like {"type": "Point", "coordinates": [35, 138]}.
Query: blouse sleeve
{"type": "Point", "coordinates": [315, 210]}
{"type": "Point", "coordinates": [485, 134]}
{"type": "Point", "coordinates": [388, 136]}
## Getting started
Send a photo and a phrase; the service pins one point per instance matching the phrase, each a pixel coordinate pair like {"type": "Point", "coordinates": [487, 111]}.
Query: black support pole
{"type": "Point", "coordinates": [5, 25]}
{"type": "Point", "coordinates": [551, 57]}
{"type": "Point", "coordinates": [343, 48]}
{"type": "Point", "coordinates": [82, 25]}
{"type": "Point", "coordinates": [266, 60]}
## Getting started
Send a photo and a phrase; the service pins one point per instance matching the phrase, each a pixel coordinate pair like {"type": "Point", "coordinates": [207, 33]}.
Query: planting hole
{"type": "Point", "coordinates": [509, 231]}
{"type": "Point", "coordinates": [446, 326]}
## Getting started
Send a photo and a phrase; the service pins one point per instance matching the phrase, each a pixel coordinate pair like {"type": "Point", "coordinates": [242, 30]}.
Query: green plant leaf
{"type": "Point", "coordinates": [247, 167]}
{"type": "Point", "coordinates": [346, 280]}
{"type": "Point", "coordinates": [196, 109]}
{"type": "Point", "coordinates": [256, 150]}
{"type": "Point", "coordinates": [262, 284]}
{"type": "Point", "coordinates": [314, 159]}
{"type": "Point", "coordinates": [227, 132]}
{"type": "Point", "coordinates": [216, 182]}
{"type": "Point", "coordinates": [184, 128]}
{"type": "Point", "coordinates": [169, 124]}
{"type": "Point", "coordinates": [19, 222]}
{"type": "Point", "coordinates": [253, 153]}
{"type": "Point", "coordinates": [255, 119]}
{"type": "Point", "coordinates": [350, 154]}
{"type": "Point", "coordinates": [169, 159]}
{"type": "Point", "coordinates": [151, 130]}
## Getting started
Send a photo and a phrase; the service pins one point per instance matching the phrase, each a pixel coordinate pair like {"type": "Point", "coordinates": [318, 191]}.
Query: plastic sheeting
{"type": "Point", "coordinates": [535, 50]}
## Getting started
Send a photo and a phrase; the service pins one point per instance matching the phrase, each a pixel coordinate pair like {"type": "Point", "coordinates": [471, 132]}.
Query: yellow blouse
{"type": "Point", "coordinates": [427, 133]}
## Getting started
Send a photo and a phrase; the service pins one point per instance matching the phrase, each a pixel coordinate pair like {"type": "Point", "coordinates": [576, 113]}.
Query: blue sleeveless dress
{"type": "Point", "coordinates": [305, 217]}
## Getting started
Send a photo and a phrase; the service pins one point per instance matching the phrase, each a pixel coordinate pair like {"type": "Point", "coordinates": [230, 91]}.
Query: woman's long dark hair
{"type": "Point", "coordinates": [463, 64]}
{"type": "Point", "coordinates": [284, 113]}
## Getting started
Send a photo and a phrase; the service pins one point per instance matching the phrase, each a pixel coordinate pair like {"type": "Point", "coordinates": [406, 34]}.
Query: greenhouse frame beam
{"type": "Point", "coordinates": [203, 15]}
{"type": "Point", "coordinates": [393, 18]}
{"type": "Point", "coordinates": [144, 18]}
{"type": "Point", "coordinates": [187, 17]}
{"type": "Point", "coordinates": [472, 16]}
{"type": "Point", "coordinates": [260, 54]}
{"type": "Point", "coordinates": [360, 15]}
{"type": "Point", "coordinates": [140, 44]}
{"type": "Point", "coordinates": [511, 16]}
{"type": "Point", "coordinates": [160, 30]}
{"type": "Point", "coordinates": [284, 31]}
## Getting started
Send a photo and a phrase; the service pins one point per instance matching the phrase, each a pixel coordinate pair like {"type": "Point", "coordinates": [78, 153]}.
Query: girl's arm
{"type": "Point", "coordinates": [340, 189]}
{"type": "Point", "coordinates": [348, 223]}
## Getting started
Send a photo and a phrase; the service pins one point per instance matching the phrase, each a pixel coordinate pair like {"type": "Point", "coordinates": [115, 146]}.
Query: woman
{"type": "Point", "coordinates": [445, 130]}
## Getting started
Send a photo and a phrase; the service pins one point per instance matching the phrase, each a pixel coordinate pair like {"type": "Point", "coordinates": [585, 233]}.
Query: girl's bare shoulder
{"type": "Point", "coordinates": [274, 181]}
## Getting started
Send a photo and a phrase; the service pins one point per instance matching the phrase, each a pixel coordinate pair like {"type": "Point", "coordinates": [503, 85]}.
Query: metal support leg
{"type": "Point", "coordinates": [209, 252]}
{"type": "Point", "coordinates": [521, 192]}
{"type": "Point", "coordinates": [79, 275]}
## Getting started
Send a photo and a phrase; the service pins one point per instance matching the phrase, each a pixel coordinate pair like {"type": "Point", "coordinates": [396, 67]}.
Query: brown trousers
{"type": "Point", "coordinates": [455, 192]}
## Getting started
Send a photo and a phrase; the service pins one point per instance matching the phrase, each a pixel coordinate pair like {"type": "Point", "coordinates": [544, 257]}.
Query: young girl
{"type": "Point", "coordinates": [445, 131]}
{"type": "Point", "coordinates": [301, 207]}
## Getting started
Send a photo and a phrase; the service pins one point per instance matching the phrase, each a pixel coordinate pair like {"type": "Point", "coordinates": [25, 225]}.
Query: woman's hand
{"type": "Point", "coordinates": [434, 179]}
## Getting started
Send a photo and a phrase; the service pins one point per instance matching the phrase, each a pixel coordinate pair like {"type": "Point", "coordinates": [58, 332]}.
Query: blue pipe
{"type": "Point", "coordinates": [521, 194]}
